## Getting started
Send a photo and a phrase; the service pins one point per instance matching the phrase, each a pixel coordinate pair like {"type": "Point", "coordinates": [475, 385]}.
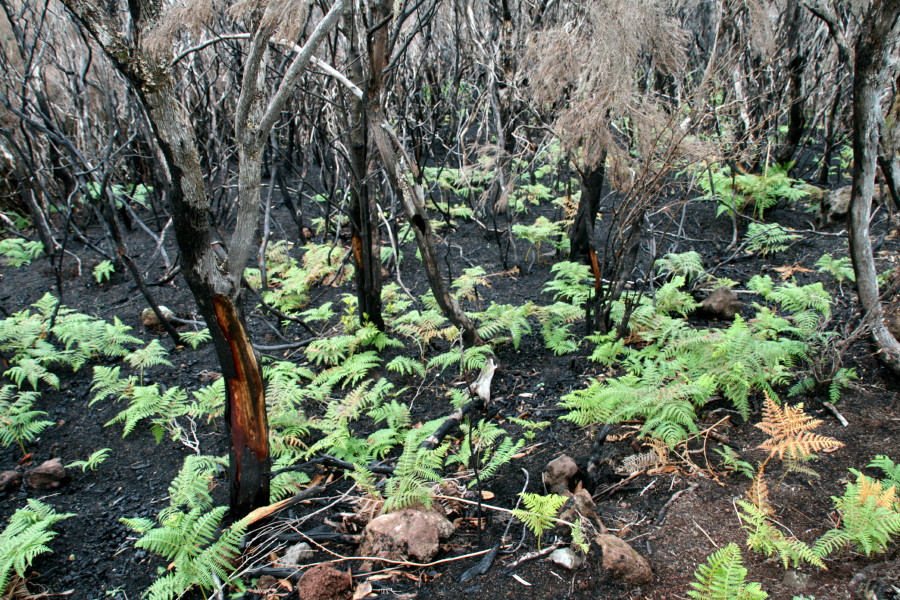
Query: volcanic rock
{"type": "Point", "coordinates": [49, 475]}
{"type": "Point", "coordinates": [408, 534]}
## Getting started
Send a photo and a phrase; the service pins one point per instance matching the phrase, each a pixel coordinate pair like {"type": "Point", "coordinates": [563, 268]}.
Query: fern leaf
{"type": "Point", "coordinates": [789, 432]}
{"type": "Point", "coordinates": [723, 577]}
{"type": "Point", "coordinates": [406, 366]}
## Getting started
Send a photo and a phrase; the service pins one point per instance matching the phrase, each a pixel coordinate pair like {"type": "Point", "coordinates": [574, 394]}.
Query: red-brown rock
{"type": "Point", "coordinates": [559, 474]}
{"type": "Point", "coordinates": [723, 304]}
{"type": "Point", "coordinates": [323, 582]}
{"type": "Point", "coordinates": [49, 475]}
{"type": "Point", "coordinates": [407, 534]}
{"type": "Point", "coordinates": [623, 562]}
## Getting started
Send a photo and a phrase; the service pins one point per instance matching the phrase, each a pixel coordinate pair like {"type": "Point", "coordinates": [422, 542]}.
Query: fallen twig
{"type": "Point", "coordinates": [482, 566]}
{"type": "Point", "coordinates": [611, 488]}
{"type": "Point", "coordinates": [267, 511]}
{"type": "Point", "coordinates": [288, 346]}
{"type": "Point", "coordinates": [331, 461]}
{"type": "Point", "coordinates": [830, 408]}
{"type": "Point", "coordinates": [662, 512]}
{"type": "Point", "coordinates": [530, 556]}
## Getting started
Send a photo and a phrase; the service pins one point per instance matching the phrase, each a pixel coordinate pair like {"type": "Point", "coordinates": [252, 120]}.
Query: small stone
{"type": "Point", "coordinates": [405, 534]}
{"type": "Point", "coordinates": [722, 304]}
{"type": "Point", "coordinates": [323, 582]}
{"type": "Point", "coordinates": [836, 204]}
{"type": "Point", "coordinates": [297, 554]}
{"type": "Point", "coordinates": [795, 580]}
{"type": "Point", "coordinates": [566, 557]}
{"type": "Point", "coordinates": [10, 481]}
{"type": "Point", "coordinates": [49, 475]}
{"type": "Point", "coordinates": [623, 562]}
{"type": "Point", "coordinates": [150, 320]}
{"type": "Point", "coordinates": [559, 474]}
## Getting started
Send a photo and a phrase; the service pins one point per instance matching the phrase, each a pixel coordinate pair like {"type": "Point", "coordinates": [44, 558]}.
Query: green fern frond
{"type": "Point", "coordinates": [20, 252]}
{"type": "Point", "coordinates": [18, 423]}
{"type": "Point", "coordinates": [500, 318]}
{"type": "Point", "coordinates": [886, 465]}
{"type": "Point", "coordinates": [26, 537]}
{"type": "Point", "coordinates": [287, 483]}
{"type": "Point", "coordinates": [93, 461]}
{"type": "Point", "coordinates": [109, 382]}
{"type": "Point", "coordinates": [406, 366]}
{"type": "Point", "coordinates": [151, 355]}
{"type": "Point", "coordinates": [444, 360]}
{"type": "Point", "coordinates": [670, 299]}
{"type": "Point", "coordinates": [686, 264]}
{"type": "Point", "coordinates": [765, 538]}
{"type": "Point", "coordinates": [351, 371]}
{"type": "Point", "coordinates": [768, 238]}
{"type": "Point", "coordinates": [466, 284]}
{"type": "Point", "coordinates": [187, 534]}
{"type": "Point", "coordinates": [29, 369]}
{"type": "Point", "coordinates": [416, 471]}
{"type": "Point", "coordinates": [498, 457]}
{"type": "Point", "coordinates": [870, 513]}
{"type": "Point", "coordinates": [839, 268]}
{"type": "Point", "coordinates": [146, 401]}
{"type": "Point", "coordinates": [723, 577]}
{"type": "Point", "coordinates": [570, 283]}
{"type": "Point", "coordinates": [195, 339]}
{"type": "Point", "coordinates": [540, 512]}
{"type": "Point", "coordinates": [209, 401]}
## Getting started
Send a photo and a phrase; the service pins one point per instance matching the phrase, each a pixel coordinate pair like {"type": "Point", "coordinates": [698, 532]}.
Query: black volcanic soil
{"type": "Point", "coordinates": [94, 557]}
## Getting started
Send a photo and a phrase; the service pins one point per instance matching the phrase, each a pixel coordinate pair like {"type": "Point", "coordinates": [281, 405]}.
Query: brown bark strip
{"type": "Point", "coordinates": [245, 414]}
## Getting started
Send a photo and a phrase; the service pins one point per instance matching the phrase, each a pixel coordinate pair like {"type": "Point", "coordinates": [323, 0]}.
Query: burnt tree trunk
{"type": "Point", "coordinates": [888, 148]}
{"type": "Point", "coordinates": [245, 416]}
{"type": "Point", "coordinates": [365, 242]}
{"type": "Point", "coordinates": [873, 50]}
{"type": "Point", "coordinates": [583, 245]}
{"type": "Point", "coordinates": [796, 66]}
{"type": "Point", "coordinates": [403, 178]}
{"type": "Point", "coordinates": [215, 286]}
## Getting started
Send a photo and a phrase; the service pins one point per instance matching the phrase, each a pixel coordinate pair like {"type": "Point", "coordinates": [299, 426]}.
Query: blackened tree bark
{"type": "Point", "coordinates": [873, 48]}
{"type": "Point", "coordinates": [403, 174]}
{"type": "Point", "coordinates": [583, 245]}
{"type": "Point", "coordinates": [889, 146]}
{"type": "Point", "coordinates": [365, 241]}
{"type": "Point", "coordinates": [796, 66]}
{"type": "Point", "coordinates": [214, 285]}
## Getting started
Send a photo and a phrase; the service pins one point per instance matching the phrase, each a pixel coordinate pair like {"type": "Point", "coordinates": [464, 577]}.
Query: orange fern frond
{"type": "Point", "coordinates": [789, 429]}
{"type": "Point", "coordinates": [873, 488]}
{"type": "Point", "coordinates": [758, 493]}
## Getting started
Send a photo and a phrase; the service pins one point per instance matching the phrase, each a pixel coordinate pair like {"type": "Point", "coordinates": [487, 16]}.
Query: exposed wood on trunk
{"type": "Point", "coordinates": [245, 413]}
{"type": "Point", "coordinates": [582, 233]}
